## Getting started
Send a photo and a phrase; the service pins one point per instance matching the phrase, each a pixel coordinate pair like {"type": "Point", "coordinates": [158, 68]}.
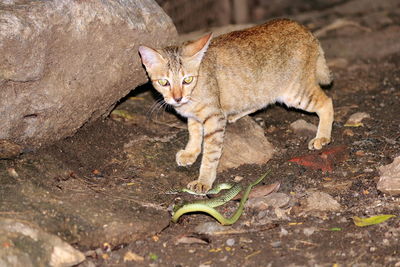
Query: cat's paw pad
{"type": "Point", "coordinates": [318, 143]}
{"type": "Point", "coordinates": [198, 187]}
{"type": "Point", "coordinates": [185, 158]}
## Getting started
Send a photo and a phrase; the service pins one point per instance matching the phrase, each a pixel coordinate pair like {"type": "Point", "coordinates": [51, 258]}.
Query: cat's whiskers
{"type": "Point", "coordinates": [155, 107]}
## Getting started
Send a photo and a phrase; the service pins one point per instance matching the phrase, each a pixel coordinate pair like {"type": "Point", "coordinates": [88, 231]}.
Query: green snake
{"type": "Point", "coordinates": [208, 205]}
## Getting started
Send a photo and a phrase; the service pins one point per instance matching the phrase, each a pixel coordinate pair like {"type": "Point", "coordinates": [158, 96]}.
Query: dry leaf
{"type": "Point", "coordinates": [131, 256]}
{"type": "Point", "coordinates": [371, 220]}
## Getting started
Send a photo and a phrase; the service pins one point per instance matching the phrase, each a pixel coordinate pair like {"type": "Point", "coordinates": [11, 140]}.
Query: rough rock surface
{"type": "Point", "coordinates": [245, 143]}
{"type": "Point", "coordinates": [112, 217]}
{"type": "Point", "coordinates": [320, 201]}
{"type": "Point", "coordinates": [64, 63]}
{"type": "Point", "coordinates": [25, 244]}
{"type": "Point", "coordinates": [389, 182]}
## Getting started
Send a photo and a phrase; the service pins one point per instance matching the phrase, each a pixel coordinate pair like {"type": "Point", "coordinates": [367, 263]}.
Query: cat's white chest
{"type": "Point", "coordinates": [186, 111]}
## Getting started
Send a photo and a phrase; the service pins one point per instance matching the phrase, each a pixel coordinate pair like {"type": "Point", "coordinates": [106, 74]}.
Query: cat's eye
{"type": "Point", "coordinates": [163, 82]}
{"type": "Point", "coordinates": [188, 79]}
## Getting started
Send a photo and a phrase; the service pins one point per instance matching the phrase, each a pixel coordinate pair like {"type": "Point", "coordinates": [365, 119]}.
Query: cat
{"type": "Point", "coordinates": [215, 81]}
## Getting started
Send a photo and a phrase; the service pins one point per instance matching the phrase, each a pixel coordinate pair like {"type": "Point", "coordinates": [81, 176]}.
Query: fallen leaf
{"type": "Point", "coordinates": [260, 191]}
{"type": "Point", "coordinates": [215, 250]}
{"type": "Point", "coordinates": [153, 256]}
{"type": "Point", "coordinates": [190, 239]}
{"type": "Point", "coordinates": [252, 254]}
{"type": "Point", "coordinates": [371, 220]}
{"type": "Point", "coordinates": [295, 223]}
{"type": "Point", "coordinates": [121, 115]}
{"type": "Point", "coordinates": [323, 160]}
{"type": "Point", "coordinates": [136, 98]}
{"type": "Point", "coordinates": [131, 256]}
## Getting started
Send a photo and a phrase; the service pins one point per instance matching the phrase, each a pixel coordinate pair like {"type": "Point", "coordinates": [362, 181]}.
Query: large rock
{"type": "Point", "coordinates": [26, 244]}
{"type": "Point", "coordinates": [245, 143]}
{"type": "Point", "coordinates": [64, 63]}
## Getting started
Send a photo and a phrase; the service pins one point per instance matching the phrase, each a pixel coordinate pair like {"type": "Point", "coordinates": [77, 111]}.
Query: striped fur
{"type": "Point", "coordinates": [234, 75]}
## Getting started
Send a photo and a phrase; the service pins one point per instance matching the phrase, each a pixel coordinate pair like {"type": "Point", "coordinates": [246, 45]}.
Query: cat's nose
{"type": "Point", "coordinates": [178, 99]}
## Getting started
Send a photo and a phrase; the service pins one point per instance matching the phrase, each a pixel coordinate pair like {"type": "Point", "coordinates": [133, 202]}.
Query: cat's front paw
{"type": "Point", "coordinates": [199, 187]}
{"type": "Point", "coordinates": [185, 158]}
{"type": "Point", "coordinates": [318, 143]}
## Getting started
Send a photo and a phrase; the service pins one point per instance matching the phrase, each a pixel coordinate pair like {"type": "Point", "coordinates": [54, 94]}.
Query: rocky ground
{"type": "Point", "coordinates": [103, 190]}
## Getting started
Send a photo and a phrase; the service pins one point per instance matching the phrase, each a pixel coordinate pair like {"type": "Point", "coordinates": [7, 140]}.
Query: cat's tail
{"type": "Point", "coordinates": [323, 73]}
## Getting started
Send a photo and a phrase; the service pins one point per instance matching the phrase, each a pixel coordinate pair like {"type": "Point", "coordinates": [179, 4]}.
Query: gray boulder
{"type": "Point", "coordinates": [25, 244]}
{"type": "Point", "coordinates": [64, 63]}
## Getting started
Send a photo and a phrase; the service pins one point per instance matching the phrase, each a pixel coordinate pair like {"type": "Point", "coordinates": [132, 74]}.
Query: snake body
{"type": "Point", "coordinates": [208, 206]}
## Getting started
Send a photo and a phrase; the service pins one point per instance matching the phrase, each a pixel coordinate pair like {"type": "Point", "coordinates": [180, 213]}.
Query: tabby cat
{"type": "Point", "coordinates": [212, 82]}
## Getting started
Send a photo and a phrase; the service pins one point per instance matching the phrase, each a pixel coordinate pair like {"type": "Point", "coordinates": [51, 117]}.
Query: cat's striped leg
{"type": "Point", "coordinates": [315, 100]}
{"type": "Point", "coordinates": [189, 155]}
{"type": "Point", "coordinates": [324, 109]}
{"type": "Point", "coordinates": [213, 138]}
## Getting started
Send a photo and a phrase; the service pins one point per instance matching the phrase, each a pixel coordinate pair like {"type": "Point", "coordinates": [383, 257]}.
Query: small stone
{"type": "Point", "coordinates": [245, 143]}
{"type": "Point", "coordinates": [302, 127]}
{"type": "Point", "coordinates": [348, 132]}
{"type": "Point", "coordinates": [389, 182]}
{"type": "Point", "coordinates": [245, 240]}
{"type": "Point", "coordinates": [276, 244]}
{"type": "Point", "coordinates": [9, 149]}
{"type": "Point", "coordinates": [230, 242]}
{"type": "Point", "coordinates": [321, 201]}
{"type": "Point", "coordinates": [237, 179]}
{"type": "Point", "coordinates": [12, 172]}
{"type": "Point", "coordinates": [309, 231]}
{"type": "Point", "coordinates": [283, 232]}
{"type": "Point", "coordinates": [275, 200]}
{"type": "Point", "coordinates": [211, 228]}
{"type": "Point", "coordinates": [355, 120]}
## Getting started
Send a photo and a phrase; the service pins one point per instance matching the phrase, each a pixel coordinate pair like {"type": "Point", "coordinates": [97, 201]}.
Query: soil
{"type": "Point", "coordinates": [118, 168]}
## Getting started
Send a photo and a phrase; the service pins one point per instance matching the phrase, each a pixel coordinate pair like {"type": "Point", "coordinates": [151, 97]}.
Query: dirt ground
{"type": "Point", "coordinates": [125, 163]}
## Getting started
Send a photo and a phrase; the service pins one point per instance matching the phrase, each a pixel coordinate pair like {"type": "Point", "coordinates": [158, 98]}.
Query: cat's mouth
{"type": "Point", "coordinates": [178, 102]}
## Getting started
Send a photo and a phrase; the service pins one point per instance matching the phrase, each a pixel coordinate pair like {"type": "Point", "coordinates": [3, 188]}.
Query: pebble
{"type": "Point", "coordinates": [355, 120]}
{"type": "Point", "coordinates": [276, 244]}
{"type": "Point", "coordinates": [237, 179]}
{"type": "Point", "coordinates": [302, 127]}
{"type": "Point", "coordinates": [210, 228]}
{"type": "Point", "coordinates": [308, 231]}
{"type": "Point", "coordinates": [322, 202]}
{"type": "Point", "coordinates": [389, 182]}
{"type": "Point", "coordinates": [230, 242]}
{"type": "Point", "coordinates": [275, 200]}
{"type": "Point", "coordinates": [283, 232]}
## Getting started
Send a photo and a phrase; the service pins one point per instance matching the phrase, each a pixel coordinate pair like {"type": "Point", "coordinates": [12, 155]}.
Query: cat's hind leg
{"type": "Point", "coordinates": [324, 110]}
{"type": "Point", "coordinates": [315, 100]}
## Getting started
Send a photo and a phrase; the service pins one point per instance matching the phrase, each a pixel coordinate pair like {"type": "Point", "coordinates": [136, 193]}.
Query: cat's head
{"type": "Point", "coordinates": [174, 70]}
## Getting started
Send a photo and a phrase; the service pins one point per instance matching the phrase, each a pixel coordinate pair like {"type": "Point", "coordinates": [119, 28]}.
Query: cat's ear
{"type": "Point", "coordinates": [197, 49]}
{"type": "Point", "coordinates": [150, 57]}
